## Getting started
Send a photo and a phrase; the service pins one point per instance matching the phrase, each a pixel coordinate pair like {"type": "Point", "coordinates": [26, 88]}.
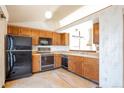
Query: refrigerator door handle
{"type": "Point", "coordinates": [12, 43]}
{"type": "Point", "coordinates": [12, 61]}
{"type": "Point", "coordinates": [14, 57]}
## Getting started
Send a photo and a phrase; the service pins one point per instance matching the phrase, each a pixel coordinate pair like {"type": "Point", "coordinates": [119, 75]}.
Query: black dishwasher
{"type": "Point", "coordinates": [47, 62]}
{"type": "Point", "coordinates": [65, 61]}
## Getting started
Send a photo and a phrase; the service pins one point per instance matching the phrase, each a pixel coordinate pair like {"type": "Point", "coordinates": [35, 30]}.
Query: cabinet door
{"type": "Point", "coordinates": [64, 39]}
{"type": "Point", "coordinates": [35, 37]}
{"type": "Point", "coordinates": [72, 63]}
{"type": "Point", "coordinates": [45, 34]}
{"type": "Point", "coordinates": [35, 40]}
{"type": "Point", "coordinates": [91, 68]}
{"type": "Point", "coordinates": [36, 63]}
{"type": "Point", "coordinates": [56, 39]}
{"type": "Point", "coordinates": [48, 34]}
{"type": "Point", "coordinates": [79, 68]}
{"type": "Point", "coordinates": [72, 66]}
{"type": "Point", "coordinates": [42, 33]}
{"type": "Point", "coordinates": [76, 65]}
{"type": "Point", "coordinates": [96, 33]}
{"type": "Point", "coordinates": [57, 60]}
{"type": "Point", "coordinates": [13, 30]}
{"type": "Point", "coordinates": [25, 32]}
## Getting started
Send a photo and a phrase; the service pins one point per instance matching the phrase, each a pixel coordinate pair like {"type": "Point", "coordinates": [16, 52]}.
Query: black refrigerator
{"type": "Point", "coordinates": [18, 57]}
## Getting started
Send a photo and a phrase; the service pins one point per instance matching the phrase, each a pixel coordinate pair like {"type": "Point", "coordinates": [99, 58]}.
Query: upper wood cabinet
{"type": "Point", "coordinates": [57, 60]}
{"type": "Point", "coordinates": [96, 33]}
{"type": "Point", "coordinates": [65, 39]}
{"type": "Point", "coordinates": [35, 37]}
{"type": "Point", "coordinates": [56, 39]}
{"type": "Point", "coordinates": [46, 34]}
{"type": "Point", "coordinates": [13, 30]}
{"type": "Point", "coordinates": [91, 68]}
{"type": "Point", "coordinates": [25, 31]}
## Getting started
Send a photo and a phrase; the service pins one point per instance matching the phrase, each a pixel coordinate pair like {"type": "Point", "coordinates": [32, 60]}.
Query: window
{"type": "Point", "coordinates": [81, 36]}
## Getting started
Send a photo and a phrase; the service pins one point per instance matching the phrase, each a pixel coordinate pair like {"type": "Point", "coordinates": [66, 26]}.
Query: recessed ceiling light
{"type": "Point", "coordinates": [48, 14]}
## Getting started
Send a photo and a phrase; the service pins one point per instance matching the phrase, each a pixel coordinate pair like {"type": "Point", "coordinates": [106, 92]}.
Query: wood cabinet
{"type": "Point", "coordinates": [84, 66]}
{"type": "Point", "coordinates": [48, 34]}
{"type": "Point", "coordinates": [45, 34]}
{"type": "Point", "coordinates": [13, 30]}
{"type": "Point", "coordinates": [96, 33]}
{"type": "Point", "coordinates": [25, 32]}
{"type": "Point", "coordinates": [57, 60]}
{"type": "Point", "coordinates": [56, 39]}
{"type": "Point", "coordinates": [35, 37]}
{"type": "Point", "coordinates": [75, 64]}
{"type": "Point", "coordinates": [64, 38]}
{"type": "Point", "coordinates": [36, 63]}
{"type": "Point", "coordinates": [91, 68]}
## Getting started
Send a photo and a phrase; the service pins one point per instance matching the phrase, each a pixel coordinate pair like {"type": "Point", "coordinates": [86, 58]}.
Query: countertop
{"type": "Point", "coordinates": [74, 53]}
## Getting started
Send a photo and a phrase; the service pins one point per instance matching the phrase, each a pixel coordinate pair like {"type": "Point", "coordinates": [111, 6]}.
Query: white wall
{"type": "Point", "coordinates": [3, 31]}
{"type": "Point", "coordinates": [111, 47]}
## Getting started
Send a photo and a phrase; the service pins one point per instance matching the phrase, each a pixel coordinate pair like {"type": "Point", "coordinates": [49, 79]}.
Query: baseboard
{"type": "Point", "coordinates": [3, 86]}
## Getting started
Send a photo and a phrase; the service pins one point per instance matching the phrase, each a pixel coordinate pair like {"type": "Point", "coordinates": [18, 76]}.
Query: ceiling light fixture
{"type": "Point", "coordinates": [48, 14]}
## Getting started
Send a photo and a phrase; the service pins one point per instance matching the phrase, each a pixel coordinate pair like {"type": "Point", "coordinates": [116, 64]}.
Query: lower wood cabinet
{"type": "Point", "coordinates": [91, 68]}
{"type": "Point", "coordinates": [57, 60]}
{"type": "Point", "coordinates": [36, 62]}
{"type": "Point", "coordinates": [72, 66]}
{"type": "Point", "coordinates": [75, 64]}
{"type": "Point", "coordinates": [84, 66]}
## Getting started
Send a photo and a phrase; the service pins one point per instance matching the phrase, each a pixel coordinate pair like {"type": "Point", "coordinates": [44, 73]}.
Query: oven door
{"type": "Point", "coordinates": [47, 62]}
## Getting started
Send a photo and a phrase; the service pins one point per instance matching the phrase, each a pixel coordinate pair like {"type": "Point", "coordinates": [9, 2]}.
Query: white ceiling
{"type": "Point", "coordinates": [26, 13]}
{"type": "Point", "coordinates": [20, 13]}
